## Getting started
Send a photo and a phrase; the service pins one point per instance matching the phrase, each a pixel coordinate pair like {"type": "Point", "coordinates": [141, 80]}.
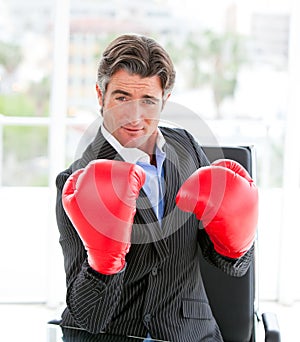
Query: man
{"type": "Point", "coordinates": [131, 210]}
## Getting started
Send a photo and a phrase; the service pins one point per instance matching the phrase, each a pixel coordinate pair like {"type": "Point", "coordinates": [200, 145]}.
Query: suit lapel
{"type": "Point", "coordinates": [102, 149]}
{"type": "Point", "coordinates": [172, 183]}
{"type": "Point", "coordinates": [99, 148]}
{"type": "Point", "coordinates": [147, 228]}
{"type": "Point", "coordinates": [172, 179]}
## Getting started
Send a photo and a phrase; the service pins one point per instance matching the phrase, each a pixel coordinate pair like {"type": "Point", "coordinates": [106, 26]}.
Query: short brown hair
{"type": "Point", "coordinates": [138, 55]}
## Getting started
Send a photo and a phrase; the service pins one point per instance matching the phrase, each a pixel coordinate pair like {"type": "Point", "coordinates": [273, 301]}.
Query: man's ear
{"type": "Point", "coordinates": [99, 95]}
{"type": "Point", "coordinates": [165, 98]}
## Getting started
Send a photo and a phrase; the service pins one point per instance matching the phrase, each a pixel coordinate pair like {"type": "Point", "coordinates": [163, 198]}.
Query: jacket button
{"type": "Point", "coordinates": [154, 271]}
{"type": "Point", "coordinates": [147, 318]}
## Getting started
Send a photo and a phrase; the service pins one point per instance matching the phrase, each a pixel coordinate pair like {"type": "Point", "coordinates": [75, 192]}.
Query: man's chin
{"type": "Point", "coordinates": [136, 143]}
{"type": "Point", "coordinates": [144, 143]}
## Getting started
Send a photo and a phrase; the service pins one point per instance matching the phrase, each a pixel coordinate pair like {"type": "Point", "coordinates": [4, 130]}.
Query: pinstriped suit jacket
{"type": "Point", "coordinates": [160, 290]}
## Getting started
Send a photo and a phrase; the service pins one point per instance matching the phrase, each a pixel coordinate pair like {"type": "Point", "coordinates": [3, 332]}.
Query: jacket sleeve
{"type": "Point", "coordinates": [233, 267]}
{"type": "Point", "coordinates": [91, 297]}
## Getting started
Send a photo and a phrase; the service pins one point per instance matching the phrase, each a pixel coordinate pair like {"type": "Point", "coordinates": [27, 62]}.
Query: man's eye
{"type": "Point", "coordinates": [121, 98]}
{"type": "Point", "coordinates": [148, 102]}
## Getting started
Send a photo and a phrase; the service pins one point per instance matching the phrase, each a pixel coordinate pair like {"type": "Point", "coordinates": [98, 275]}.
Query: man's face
{"type": "Point", "coordinates": [131, 109]}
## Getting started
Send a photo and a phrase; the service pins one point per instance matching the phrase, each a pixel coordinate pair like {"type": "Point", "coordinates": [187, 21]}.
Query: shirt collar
{"type": "Point", "coordinates": [133, 155]}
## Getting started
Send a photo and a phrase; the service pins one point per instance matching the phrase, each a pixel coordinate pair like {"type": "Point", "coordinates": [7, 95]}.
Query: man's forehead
{"type": "Point", "coordinates": [127, 82]}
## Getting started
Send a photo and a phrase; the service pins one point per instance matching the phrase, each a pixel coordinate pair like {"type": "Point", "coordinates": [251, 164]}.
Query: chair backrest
{"type": "Point", "coordinates": [232, 299]}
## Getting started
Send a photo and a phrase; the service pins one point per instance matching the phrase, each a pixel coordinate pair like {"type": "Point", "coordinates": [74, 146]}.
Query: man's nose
{"type": "Point", "coordinates": [135, 112]}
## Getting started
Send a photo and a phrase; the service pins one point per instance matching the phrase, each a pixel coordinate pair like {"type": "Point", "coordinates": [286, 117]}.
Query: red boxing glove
{"type": "Point", "coordinates": [100, 200]}
{"type": "Point", "coordinates": [225, 198]}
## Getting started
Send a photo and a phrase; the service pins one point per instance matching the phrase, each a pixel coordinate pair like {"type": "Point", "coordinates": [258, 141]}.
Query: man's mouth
{"type": "Point", "coordinates": [133, 129]}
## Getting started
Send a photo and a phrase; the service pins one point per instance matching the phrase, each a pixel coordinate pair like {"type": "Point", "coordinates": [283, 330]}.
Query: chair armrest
{"type": "Point", "coordinates": [55, 321]}
{"type": "Point", "coordinates": [52, 332]}
{"type": "Point", "coordinates": [272, 333]}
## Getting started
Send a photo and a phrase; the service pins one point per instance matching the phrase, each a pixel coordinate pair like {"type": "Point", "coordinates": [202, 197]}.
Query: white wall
{"type": "Point", "coordinates": [24, 252]}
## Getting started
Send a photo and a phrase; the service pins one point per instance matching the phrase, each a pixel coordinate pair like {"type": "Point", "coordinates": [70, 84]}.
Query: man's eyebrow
{"type": "Point", "coordinates": [151, 98]}
{"type": "Point", "coordinates": [119, 91]}
{"type": "Point", "coordinates": [126, 93]}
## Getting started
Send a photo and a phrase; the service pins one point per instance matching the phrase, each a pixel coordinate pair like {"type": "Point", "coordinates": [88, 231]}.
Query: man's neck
{"type": "Point", "coordinates": [153, 159]}
{"type": "Point", "coordinates": [147, 150]}
{"type": "Point", "coordinates": [149, 147]}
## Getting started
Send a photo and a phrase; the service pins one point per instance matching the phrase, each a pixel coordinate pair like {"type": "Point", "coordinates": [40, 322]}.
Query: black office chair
{"type": "Point", "coordinates": [234, 301]}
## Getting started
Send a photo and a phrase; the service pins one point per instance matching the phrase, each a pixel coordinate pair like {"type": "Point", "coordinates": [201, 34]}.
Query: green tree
{"type": "Point", "coordinates": [39, 93]}
{"type": "Point", "coordinates": [214, 59]}
{"type": "Point", "coordinates": [16, 104]}
{"type": "Point", "coordinates": [10, 56]}
{"type": "Point", "coordinates": [226, 55]}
